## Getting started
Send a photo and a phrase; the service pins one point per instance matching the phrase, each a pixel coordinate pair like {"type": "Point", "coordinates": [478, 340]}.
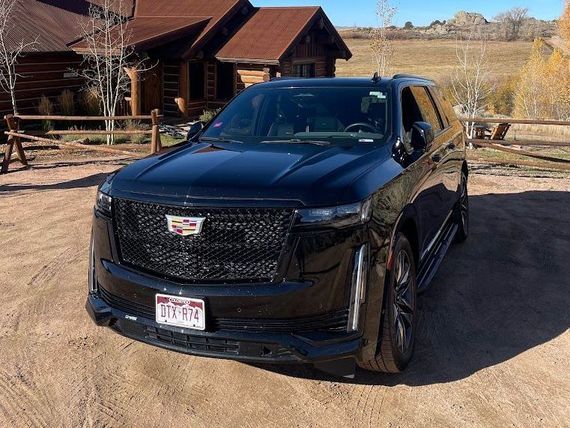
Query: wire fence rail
{"type": "Point", "coordinates": [539, 159]}
{"type": "Point", "coordinates": [17, 136]}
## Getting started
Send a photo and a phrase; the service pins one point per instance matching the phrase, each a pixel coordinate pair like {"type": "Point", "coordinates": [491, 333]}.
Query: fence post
{"type": "Point", "coordinates": [155, 145]}
{"type": "Point", "coordinates": [13, 123]}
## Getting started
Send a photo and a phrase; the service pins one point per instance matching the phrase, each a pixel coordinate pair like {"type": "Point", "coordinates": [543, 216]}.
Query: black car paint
{"type": "Point", "coordinates": [314, 276]}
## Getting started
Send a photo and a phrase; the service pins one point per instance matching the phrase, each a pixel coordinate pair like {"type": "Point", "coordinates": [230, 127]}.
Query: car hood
{"type": "Point", "coordinates": [301, 174]}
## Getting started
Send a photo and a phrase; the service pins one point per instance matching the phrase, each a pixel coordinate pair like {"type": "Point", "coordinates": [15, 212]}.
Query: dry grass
{"type": "Point", "coordinates": [540, 132]}
{"type": "Point", "coordinates": [432, 58]}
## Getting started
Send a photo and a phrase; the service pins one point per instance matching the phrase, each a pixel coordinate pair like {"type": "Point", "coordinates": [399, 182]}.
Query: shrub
{"type": "Point", "coordinates": [502, 99]}
{"type": "Point", "coordinates": [135, 125]}
{"type": "Point", "coordinates": [208, 115]}
{"type": "Point", "coordinates": [90, 103]}
{"type": "Point", "coordinates": [408, 25]}
{"type": "Point", "coordinates": [67, 103]}
{"type": "Point", "coordinates": [45, 107]}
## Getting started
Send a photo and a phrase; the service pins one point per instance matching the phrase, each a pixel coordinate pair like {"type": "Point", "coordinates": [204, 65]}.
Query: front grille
{"type": "Point", "coordinates": [197, 343]}
{"type": "Point", "coordinates": [131, 308]}
{"type": "Point", "coordinates": [334, 321]}
{"type": "Point", "coordinates": [235, 244]}
{"type": "Point", "coordinates": [331, 322]}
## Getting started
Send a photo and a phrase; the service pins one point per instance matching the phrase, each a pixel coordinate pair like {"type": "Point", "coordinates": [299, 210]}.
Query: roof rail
{"type": "Point", "coordinates": [286, 78]}
{"type": "Point", "coordinates": [410, 76]}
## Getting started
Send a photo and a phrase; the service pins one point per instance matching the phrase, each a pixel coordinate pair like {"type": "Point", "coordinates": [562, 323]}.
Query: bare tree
{"type": "Point", "coordinates": [511, 22]}
{"type": "Point", "coordinates": [381, 44]}
{"type": "Point", "coordinates": [10, 51]}
{"type": "Point", "coordinates": [109, 58]}
{"type": "Point", "coordinates": [470, 78]}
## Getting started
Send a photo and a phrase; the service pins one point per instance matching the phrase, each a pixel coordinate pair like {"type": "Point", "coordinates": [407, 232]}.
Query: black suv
{"type": "Point", "coordinates": [298, 226]}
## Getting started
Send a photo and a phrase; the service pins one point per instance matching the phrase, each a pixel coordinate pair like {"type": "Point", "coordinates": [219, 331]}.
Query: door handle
{"type": "Point", "coordinates": [436, 157]}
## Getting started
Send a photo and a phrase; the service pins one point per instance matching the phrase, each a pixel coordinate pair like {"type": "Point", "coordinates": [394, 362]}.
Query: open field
{"type": "Point", "coordinates": [432, 58]}
{"type": "Point", "coordinates": [492, 349]}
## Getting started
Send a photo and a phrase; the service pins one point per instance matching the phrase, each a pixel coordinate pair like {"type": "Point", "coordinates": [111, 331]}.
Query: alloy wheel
{"type": "Point", "coordinates": [404, 302]}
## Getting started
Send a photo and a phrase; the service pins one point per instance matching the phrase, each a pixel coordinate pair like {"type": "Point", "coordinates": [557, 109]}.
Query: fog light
{"type": "Point", "coordinates": [358, 292]}
{"type": "Point", "coordinates": [91, 279]}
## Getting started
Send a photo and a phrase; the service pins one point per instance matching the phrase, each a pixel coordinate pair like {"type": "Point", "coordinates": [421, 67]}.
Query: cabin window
{"type": "Point", "coordinates": [304, 70]}
{"type": "Point", "coordinates": [197, 78]}
{"type": "Point", "coordinates": [225, 80]}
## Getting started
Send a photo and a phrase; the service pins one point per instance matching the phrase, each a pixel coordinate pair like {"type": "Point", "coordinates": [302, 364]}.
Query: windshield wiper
{"type": "Point", "coordinates": [219, 140]}
{"type": "Point", "coordinates": [297, 141]}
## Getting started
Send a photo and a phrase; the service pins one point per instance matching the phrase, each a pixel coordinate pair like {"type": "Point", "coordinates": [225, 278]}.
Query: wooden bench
{"type": "Point", "coordinates": [499, 132]}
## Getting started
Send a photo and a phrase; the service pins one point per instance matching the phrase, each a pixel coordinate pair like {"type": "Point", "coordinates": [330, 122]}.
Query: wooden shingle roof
{"type": "Point", "coordinates": [145, 33]}
{"type": "Point", "coordinates": [272, 32]}
{"type": "Point", "coordinates": [267, 34]}
{"type": "Point", "coordinates": [215, 11]}
{"type": "Point", "coordinates": [52, 23]}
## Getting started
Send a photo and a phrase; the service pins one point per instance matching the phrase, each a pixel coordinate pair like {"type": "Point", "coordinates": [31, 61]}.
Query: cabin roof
{"type": "Point", "coordinates": [267, 33]}
{"type": "Point", "coordinates": [272, 32]}
{"type": "Point", "coordinates": [148, 32]}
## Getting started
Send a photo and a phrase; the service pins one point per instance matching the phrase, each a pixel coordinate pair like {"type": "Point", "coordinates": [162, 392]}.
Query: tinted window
{"type": "Point", "coordinates": [446, 107]}
{"type": "Point", "coordinates": [427, 107]}
{"type": "Point", "coordinates": [304, 70]}
{"type": "Point", "coordinates": [225, 77]}
{"type": "Point", "coordinates": [197, 80]}
{"type": "Point", "coordinates": [332, 114]}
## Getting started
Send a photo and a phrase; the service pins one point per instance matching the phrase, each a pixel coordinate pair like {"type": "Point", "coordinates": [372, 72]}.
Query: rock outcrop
{"type": "Point", "coordinates": [466, 19]}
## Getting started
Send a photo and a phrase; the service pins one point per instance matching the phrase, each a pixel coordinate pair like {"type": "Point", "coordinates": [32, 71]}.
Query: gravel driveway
{"type": "Point", "coordinates": [493, 347]}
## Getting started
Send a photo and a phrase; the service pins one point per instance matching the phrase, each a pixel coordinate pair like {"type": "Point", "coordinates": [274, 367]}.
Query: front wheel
{"type": "Point", "coordinates": [398, 321]}
{"type": "Point", "coordinates": [462, 211]}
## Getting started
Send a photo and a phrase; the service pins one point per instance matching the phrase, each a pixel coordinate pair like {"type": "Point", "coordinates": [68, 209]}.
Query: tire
{"type": "Point", "coordinates": [462, 211]}
{"type": "Point", "coordinates": [397, 326]}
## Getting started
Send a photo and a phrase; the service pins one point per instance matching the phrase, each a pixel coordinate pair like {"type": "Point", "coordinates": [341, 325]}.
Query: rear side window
{"type": "Point", "coordinates": [445, 106]}
{"type": "Point", "coordinates": [427, 107]}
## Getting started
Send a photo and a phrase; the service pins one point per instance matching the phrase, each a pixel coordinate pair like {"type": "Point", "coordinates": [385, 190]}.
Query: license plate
{"type": "Point", "coordinates": [180, 312]}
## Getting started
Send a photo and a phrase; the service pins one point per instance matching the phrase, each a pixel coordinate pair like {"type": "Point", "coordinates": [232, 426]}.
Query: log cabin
{"type": "Point", "coordinates": [205, 51]}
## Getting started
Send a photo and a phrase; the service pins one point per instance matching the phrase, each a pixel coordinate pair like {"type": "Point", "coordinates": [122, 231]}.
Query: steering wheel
{"type": "Point", "coordinates": [361, 125]}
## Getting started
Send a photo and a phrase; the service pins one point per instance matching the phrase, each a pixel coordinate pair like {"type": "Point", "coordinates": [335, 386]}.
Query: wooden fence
{"type": "Point", "coordinates": [17, 135]}
{"type": "Point", "coordinates": [548, 161]}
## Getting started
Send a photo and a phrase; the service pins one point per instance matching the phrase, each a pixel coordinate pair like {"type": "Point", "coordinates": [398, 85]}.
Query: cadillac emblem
{"type": "Point", "coordinates": [185, 226]}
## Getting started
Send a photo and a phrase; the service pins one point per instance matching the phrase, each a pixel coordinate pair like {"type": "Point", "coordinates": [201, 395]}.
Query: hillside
{"type": "Point", "coordinates": [461, 25]}
{"type": "Point", "coordinates": [435, 59]}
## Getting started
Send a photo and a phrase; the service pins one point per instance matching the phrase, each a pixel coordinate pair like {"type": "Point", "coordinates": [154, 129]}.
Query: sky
{"type": "Point", "coordinates": [420, 12]}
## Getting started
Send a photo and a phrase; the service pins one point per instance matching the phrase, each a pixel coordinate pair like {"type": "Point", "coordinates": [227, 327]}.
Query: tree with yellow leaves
{"type": "Point", "coordinates": [564, 24]}
{"type": "Point", "coordinates": [543, 89]}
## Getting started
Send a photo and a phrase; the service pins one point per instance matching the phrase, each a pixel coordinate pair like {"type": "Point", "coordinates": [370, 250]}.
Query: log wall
{"type": "Point", "coordinates": [43, 74]}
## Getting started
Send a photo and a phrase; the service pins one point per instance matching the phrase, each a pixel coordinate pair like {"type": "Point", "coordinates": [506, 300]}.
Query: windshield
{"type": "Point", "coordinates": [321, 115]}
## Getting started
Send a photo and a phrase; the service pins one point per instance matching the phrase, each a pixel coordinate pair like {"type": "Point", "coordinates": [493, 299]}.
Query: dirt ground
{"type": "Point", "coordinates": [493, 346]}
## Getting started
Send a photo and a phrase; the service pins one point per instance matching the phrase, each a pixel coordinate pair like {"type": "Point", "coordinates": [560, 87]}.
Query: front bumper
{"type": "Point", "coordinates": [317, 348]}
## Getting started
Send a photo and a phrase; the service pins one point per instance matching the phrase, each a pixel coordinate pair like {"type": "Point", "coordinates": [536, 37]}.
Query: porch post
{"type": "Point", "coordinates": [133, 74]}
{"type": "Point", "coordinates": [182, 100]}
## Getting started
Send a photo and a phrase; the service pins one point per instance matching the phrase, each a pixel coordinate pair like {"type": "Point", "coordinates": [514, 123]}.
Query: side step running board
{"type": "Point", "coordinates": [428, 271]}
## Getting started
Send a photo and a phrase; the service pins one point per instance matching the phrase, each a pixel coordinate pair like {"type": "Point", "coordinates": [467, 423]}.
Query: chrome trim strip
{"type": "Point", "coordinates": [358, 292]}
{"type": "Point", "coordinates": [436, 237]}
{"type": "Point", "coordinates": [91, 279]}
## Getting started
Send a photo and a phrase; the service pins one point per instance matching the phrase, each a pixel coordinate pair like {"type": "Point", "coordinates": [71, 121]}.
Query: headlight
{"type": "Point", "coordinates": [339, 216]}
{"type": "Point", "coordinates": [104, 203]}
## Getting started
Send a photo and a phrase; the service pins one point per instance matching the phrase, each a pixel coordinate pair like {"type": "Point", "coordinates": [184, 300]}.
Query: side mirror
{"type": "Point", "coordinates": [422, 136]}
{"type": "Point", "coordinates": [194, 130]}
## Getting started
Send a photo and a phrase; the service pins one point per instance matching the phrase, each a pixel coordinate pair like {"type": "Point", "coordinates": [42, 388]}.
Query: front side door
{"type": "Point", "coordinates": [432, 198]}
